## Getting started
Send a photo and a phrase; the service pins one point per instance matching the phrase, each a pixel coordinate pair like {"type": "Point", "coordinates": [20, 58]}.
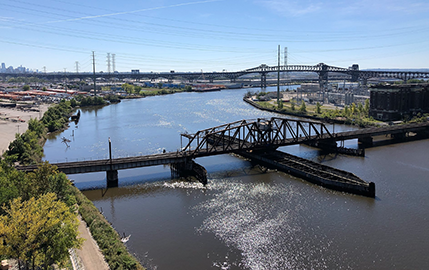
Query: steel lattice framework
{"type": "Point", "coordinates": [253, 135]}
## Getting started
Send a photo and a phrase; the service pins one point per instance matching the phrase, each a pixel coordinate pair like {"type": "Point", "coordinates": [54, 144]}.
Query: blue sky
{"type": "Point", "coordinates": [213, 35]}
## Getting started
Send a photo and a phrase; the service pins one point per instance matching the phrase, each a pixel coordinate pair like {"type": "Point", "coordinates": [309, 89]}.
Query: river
{"type": "Point", "coordinates": [247, 218]}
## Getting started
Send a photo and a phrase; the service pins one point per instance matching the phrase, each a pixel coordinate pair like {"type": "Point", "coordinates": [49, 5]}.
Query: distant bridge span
{"type": "Point", "coordinates": [324, 72]}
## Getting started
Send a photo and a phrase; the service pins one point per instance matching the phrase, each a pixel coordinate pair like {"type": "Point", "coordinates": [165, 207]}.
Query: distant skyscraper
{"type": "Point", "coordinates": [3, 67]}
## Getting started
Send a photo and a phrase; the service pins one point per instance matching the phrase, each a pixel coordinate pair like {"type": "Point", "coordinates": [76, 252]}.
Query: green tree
{"type": "Point", "coordinates": [46, 178]}
{"type": "Point", "coordinates": [353, 108]}
{"type": "Point", "coordinates": [11, 184]}
{"type": "Point", "coordinates": [36, 126]}
{"type": "Point", "coordinates": [73, 102]}
{"type": "Point", "coordinates": [26, 87]}
{"type": "Point", "coordinates": [39, 231]}
{"type": "Point", "coordinates": [303, 108]}
{"type": "Point", "coordinates": [292, 105]}
{"type": "Point", "coordinates": [127, 88]}
{"type": "Point", "coordinates": [25, 148]}
{"type": "Point", "coordinates": [318, 108]}
{"type": "Point", "coordinates": [137, 89]}
{"type": "Point", "coordinates": [360, 108]}
{"type": "Point", "coordinates": [54, 125]}
{"type": "Point", "coordinates": [366, 107]}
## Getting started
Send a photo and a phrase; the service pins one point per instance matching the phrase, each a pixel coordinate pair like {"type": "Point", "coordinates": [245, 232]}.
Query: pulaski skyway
{"type": "Point", "coordinates": [256, 140]}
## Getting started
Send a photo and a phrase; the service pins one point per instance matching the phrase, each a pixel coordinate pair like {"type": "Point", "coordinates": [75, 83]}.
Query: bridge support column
{"type": "Point", "coordinates": [188, 169]}
{"type": "Point", "coordinates": [365, 141]}
{"type": "Point", "coordinates": [263, 80]}
{"type": "Point", "coordinates": [112, 178]}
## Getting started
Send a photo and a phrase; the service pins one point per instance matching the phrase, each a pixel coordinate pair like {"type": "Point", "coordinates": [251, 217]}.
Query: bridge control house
{"type": "Point", "coordinates": [395, 102]}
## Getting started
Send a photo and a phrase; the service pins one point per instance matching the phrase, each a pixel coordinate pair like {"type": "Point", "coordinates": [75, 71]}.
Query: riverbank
{"type": "Point", "coordinates": [92, 255]}
{"type": "Point", "coordinates": [13, 120]}
{"type": "Point", "coordinates": [330, 116]}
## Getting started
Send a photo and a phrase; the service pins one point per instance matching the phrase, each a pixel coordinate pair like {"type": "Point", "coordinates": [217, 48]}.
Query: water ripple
{"type": "Point", "coordinates": [264, 222]}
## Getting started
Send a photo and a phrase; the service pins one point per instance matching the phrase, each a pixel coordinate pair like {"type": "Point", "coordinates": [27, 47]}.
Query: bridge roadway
{"type": "Point", "coordinates": [183, 157]}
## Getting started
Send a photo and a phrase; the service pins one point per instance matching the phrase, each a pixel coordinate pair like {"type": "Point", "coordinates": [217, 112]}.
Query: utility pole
{"type": "Point", "coordinates": [278, 78]}
{"type": "Point", "coordinates": [93, 72]}
{"type": "Point", "coordinates": [65, 78]}
{"type": "Point", "coordinates": [108, 63]}
{"type": "Point", "coordinates": [113, 62]}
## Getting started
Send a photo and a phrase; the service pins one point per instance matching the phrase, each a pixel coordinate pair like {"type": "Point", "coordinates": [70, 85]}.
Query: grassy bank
{"type": "Point", "coordinates": [351, 115]}
{"type": "Point", "coordinates": [114, 251]}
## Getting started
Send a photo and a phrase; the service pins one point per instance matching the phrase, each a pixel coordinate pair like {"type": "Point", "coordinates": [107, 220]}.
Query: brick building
{"type": "Point", "coordinates": [394, 102]}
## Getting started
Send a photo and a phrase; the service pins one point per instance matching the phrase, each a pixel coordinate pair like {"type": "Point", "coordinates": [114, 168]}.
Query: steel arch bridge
{"type": "Point", "coordinates": [323, 71]}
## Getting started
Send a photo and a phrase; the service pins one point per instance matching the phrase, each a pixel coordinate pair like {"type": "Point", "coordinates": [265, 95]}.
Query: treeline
{"type": "Point", "coordinates": [85, 101]}
{"type": "Point", "coordinates": [26, 80]}
{"type": "Point", "coordinates": [38, 220]}
{"type": "Point", "coordinates": [158, 90]}
{"type": "Point", "coordinates": [353, 114]}
{"type": "Point", "coordinates": [27, 147]}
{"type": "Point", "coordinates": [56, 117]}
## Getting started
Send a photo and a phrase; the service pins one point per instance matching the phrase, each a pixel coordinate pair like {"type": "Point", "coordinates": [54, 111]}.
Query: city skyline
{"type": "Point", "coordinates": [213, 35]}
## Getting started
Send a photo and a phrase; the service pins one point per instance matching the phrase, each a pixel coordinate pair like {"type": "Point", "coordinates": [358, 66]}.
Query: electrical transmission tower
{"type": "Point", "coordinates": [93, 72]}
{"type": "Point", "coordinates": [108, 63]}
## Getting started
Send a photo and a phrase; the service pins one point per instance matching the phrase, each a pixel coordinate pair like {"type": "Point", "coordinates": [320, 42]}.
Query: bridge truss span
{"type": "Point", "coordinates": [253, 135]}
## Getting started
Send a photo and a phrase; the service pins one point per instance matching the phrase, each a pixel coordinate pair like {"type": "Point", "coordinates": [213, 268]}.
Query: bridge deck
{"type": "Point", "coordinates": [226, 146]}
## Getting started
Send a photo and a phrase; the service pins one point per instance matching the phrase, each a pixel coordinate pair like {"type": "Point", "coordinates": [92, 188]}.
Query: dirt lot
{"type": "Point", "coordinates": [14, 120]}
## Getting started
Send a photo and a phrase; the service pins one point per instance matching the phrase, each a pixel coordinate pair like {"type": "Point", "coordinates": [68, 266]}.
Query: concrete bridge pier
{"type": "Point", "coordinates": [366, 141]}
{"type": "Point", "coordinates": [189, 168]}
{"type": "Point", "coordinates": [112, 178]}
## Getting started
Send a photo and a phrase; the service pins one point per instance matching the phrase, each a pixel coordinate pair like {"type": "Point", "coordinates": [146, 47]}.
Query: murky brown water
{"type": "Point", "coordinates": [244, 218]}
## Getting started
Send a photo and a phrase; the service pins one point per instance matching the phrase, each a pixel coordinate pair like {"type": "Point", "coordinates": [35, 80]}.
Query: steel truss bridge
{"type": "Point", "coordinates": [259, 134]}
{"type": "Point", "coordinates": [324, 72]}
{"type": "Point", "coordinates": [244, 135]}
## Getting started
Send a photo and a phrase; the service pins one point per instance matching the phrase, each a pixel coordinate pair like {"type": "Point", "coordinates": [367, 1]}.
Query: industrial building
{"type": "Point", "coordinates": [395, 102]}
